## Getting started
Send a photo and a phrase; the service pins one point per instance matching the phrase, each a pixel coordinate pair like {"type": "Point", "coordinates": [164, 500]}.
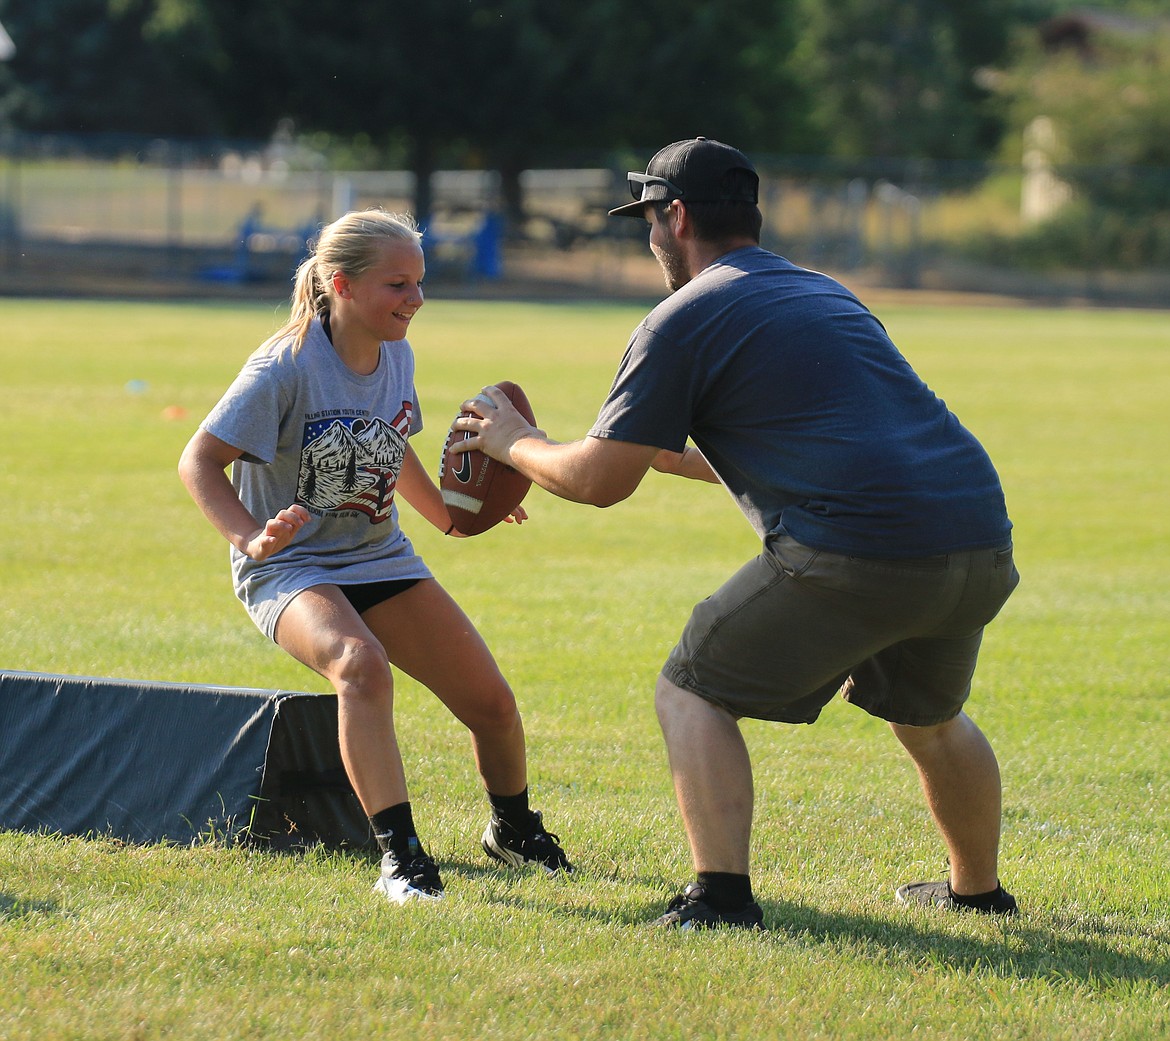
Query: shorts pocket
{"type": "Point", "coordinates": [791, 557]}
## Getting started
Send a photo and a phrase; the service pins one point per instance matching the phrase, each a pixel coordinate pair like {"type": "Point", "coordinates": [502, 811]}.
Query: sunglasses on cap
{"type": "Point", "coordinates": [638, 183]}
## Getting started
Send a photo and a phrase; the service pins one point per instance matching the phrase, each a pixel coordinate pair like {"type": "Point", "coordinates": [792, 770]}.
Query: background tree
{"type": "Point", "coordinates": [94, 65]}
{"type": "Point", "coordinates": [587, 78]}
{"type": "Point", "coordinates": [509, 84]}
{"type": "Point", "coordinates": [501, 84]}
{"type": "Point", "coordinates": [1110, 104]}
{"type": "Point", "coordinates": [1106, 96]}
{"type": "Point", "coordinates": [899, 80]}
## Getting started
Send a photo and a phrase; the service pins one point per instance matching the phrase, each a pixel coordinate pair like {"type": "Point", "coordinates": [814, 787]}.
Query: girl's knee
{"type": "Point", "coordinates": [359, 669]}
{"type": "Point", "coordinates": [494, 712]}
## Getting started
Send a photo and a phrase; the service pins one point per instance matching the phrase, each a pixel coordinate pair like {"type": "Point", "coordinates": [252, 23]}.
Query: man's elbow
{"type": "Point", "coordinates": [603, 502]}
{"type": "Point", "coordinates": [606, 492]}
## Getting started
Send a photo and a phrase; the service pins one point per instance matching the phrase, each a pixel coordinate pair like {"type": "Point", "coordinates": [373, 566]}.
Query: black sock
{"type": "Point", "coordinates": [394, 831]}
{"type": "Point", "coordinates": [511, 809]}
{"type": "Point", "coordinates": [725, 891]}
{"type": "Point", "coordinates": [979, 901]}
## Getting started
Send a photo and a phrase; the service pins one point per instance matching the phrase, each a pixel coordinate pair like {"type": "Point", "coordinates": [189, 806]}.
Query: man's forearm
{"type": "Point", "coordinates": [563, 469]}
{"type": "Point", "coordinates": [593, 470]}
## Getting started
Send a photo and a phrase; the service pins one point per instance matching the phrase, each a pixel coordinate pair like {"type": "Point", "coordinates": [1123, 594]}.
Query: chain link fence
{"type": "Point", "coordinates": [208, 218]}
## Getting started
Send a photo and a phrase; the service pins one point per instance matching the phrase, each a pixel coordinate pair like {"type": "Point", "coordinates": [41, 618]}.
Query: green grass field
{"type": "Point", "coordinates": [108, 569]}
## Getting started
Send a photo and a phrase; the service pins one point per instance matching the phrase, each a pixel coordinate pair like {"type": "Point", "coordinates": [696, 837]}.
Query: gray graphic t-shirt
{"type": "Point", "coordinates": [313, 431]}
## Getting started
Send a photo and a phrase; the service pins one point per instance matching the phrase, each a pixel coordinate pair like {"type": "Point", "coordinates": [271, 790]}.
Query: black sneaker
{"type": "Point", "coordinates": [534, 845]}
{"type": "Point", "coordinates": [940, 895]}
{"type": "Point", "coordinates": [689, 910]}
{"type": "Point", "coordinates": [414, 879]}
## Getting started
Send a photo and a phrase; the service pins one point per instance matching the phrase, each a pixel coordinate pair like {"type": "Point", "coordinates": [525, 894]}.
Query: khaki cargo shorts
{"type": "Point", "coordinates": [898, 638]}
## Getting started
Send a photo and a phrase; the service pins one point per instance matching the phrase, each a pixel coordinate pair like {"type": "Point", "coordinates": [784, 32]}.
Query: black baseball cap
{"type": "Point", "coordinates": [698, 170]}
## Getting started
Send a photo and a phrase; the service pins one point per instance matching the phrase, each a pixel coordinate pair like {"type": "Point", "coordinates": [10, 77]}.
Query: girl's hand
{"type": "Point", "coordinates": [519, 515]}
{"type": "Point", "coordinates": [277, 533]}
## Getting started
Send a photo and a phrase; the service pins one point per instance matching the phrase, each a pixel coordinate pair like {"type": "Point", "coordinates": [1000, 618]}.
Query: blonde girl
{"type": "Point", "coordinates": [316, 432]}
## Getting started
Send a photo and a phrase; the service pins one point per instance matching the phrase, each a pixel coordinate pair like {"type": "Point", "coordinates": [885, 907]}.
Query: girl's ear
{"type": "Point", "coordinates": [341, 285]}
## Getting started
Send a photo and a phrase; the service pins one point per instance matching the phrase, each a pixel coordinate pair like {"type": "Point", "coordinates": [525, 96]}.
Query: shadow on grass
{"type": "Point", "coordinates": [1025, 947]}
{"type": "Point", "coordinates": [13, 907]}
{"type": "Point", "coordinates": [1029, 946]}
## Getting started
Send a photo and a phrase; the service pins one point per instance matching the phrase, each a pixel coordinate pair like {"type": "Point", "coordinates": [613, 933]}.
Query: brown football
{"type": "Point", "coordinates": [478, 490]}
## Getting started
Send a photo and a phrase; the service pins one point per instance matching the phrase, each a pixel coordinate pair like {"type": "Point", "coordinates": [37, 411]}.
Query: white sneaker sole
{"type": "Point", "coordinates": [398, 891]}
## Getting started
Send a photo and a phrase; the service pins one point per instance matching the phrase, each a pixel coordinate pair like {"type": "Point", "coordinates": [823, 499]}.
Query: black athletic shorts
{"type": "Point", "coordinates": [365, 595]}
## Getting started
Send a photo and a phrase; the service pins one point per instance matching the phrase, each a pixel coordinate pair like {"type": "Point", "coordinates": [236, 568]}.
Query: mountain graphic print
{"type": "Point", "coordinates": [351, 463]}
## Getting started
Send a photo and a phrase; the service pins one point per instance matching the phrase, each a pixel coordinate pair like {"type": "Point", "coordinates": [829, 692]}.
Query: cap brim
{"type": "Point", "coordinates": [631, 209]}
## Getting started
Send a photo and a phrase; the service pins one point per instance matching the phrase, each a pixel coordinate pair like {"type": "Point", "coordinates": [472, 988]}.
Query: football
{"type": "Point", "coordinates": [478, 490]}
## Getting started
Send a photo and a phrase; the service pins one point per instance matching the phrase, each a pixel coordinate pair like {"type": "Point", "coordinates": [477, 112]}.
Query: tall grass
{"type": "Point", "coordinates": [108, 569]}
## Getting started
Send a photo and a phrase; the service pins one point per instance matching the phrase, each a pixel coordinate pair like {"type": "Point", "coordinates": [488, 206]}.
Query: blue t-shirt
{"type": "Point", "coordinates": [808, 413]}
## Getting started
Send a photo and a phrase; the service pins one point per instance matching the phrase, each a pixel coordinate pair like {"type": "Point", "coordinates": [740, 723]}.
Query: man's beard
{"type": "Point", "coordinates": [674, 268]}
